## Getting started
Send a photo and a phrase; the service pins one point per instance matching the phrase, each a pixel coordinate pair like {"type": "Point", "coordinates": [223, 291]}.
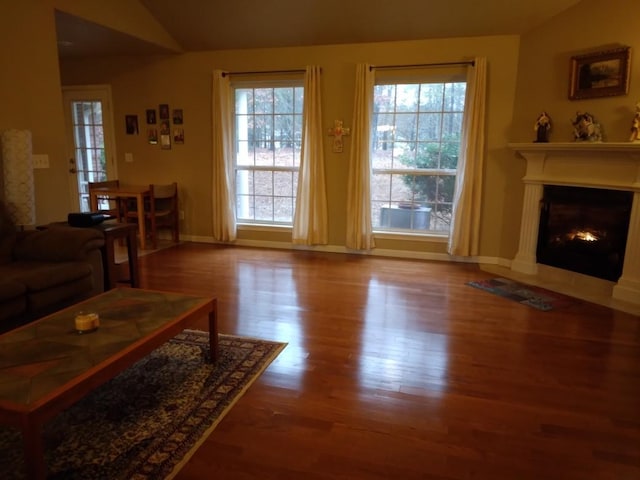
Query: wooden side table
{"type": "Point", "coordinates": [112, 233]}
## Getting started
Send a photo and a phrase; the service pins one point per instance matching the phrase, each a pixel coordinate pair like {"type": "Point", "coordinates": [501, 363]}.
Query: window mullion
{"type": "Point", "coordinates": [415, 171]}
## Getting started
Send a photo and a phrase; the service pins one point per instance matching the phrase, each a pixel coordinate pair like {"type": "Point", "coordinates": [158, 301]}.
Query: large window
{"type": "Point", "coordinates": [416, 135]}
{"type": "Point", "coordinates": [268, 133]}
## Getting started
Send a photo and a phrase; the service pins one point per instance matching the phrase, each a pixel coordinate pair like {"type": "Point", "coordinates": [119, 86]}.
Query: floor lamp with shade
{"type": "Point", "coordinates": [17, 162]}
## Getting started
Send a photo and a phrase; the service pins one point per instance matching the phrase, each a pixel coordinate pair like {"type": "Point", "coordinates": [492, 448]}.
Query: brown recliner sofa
{"type": "Point", "coordinates": [42, 271]}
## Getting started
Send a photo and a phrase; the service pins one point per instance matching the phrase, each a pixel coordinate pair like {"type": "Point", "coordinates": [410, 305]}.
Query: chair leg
{"type": "Point", "coordinates": [154, 234]}
{"type": "Point", "coordinates": [176, 229]}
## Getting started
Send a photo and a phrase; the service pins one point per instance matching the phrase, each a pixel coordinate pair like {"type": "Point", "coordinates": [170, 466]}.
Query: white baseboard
{"type": "Point", "coordinates": [378, 252]}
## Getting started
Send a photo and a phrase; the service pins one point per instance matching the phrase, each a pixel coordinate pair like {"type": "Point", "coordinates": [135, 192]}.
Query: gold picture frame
{"type": "Point", "coordinates": [600, 74]}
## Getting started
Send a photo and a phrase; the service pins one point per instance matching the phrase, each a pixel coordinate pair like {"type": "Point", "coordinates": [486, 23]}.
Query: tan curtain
{"type": "Point", "coordinates": [464, 237]}
{"type": "Point", "coordinates": [224, 212]}
{"type": "Point", "coordinates": [359, 229]}
{"type": "Point", "coordinates": [310, 225]}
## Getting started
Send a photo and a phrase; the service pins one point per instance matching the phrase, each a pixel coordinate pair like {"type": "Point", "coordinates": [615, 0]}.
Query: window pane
{"type": "Point", "coordinates": [268, 135]}
{"type": "Point", "coordinates": [384, 98]}
{"type": "Point", "coordinates": [417, 130]}
{"type": "Point", "coordinates": [263, 101]}
{"type": "Point", "coordinates": [429, 126]}
{"type": "Point", "coordinates": [264, 154]}
{"type": "Point", "coordinates": [264, 208]}
{"type": "Point", "coordinates": [454, 97]}
{"type": "Point", "coordinates": [298, 133]}
{"type": "Point", "coordinates": [96, 109]}
{"type": "Point", "coordinates": [283, 209]}
{"type": "Point", "coordinates": [431, 97]}
{"type": "Point", "coordinates": [405, 127]}
{"type": "Point", "coordinates": [405, 155]}
{"type": "Point", "coordinates": [244, 101]}
{"type": "Point", "coordinates": [407, 98]}
{"type": "Point", "coordinates": [284, 100]}
{"type": "Point", "coordinates": [283, 184]}
{"type": "Point", "coordinates": [264, 183]}
{"type": "Point", "coordinates": [451, 125]}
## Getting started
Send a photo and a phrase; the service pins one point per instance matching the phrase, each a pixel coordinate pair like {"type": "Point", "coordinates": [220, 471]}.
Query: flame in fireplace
{"type": "Point", "coordinates": [584, 235]}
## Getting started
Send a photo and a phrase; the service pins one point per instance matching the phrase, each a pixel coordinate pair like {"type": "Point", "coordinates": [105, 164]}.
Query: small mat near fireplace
{"type": "Point", "coordinates": [535, 297]}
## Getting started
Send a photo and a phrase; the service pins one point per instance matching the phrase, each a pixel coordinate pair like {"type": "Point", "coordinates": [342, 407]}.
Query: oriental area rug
{"type": "Point", "coordinates": [535, 297]}
{"type": "Point", "coordinates": [149, 420]}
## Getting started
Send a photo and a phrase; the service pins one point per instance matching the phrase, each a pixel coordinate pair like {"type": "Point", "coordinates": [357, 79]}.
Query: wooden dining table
{"type": "Point", "coordinates": [138, 192]}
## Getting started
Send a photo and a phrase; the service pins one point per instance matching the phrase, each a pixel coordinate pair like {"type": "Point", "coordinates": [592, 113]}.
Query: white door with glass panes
{"type": "Point", "coordinates": [90, 140]}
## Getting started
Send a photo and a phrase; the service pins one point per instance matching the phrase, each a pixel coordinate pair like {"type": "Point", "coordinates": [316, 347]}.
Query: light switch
{"type": "Point", "coordinates": [40, 160]}
{"type": "Point", "coordinates": [128, 157]}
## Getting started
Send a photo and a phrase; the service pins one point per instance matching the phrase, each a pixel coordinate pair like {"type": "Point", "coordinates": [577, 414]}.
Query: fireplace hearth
{"type": "Point", "coordinates": [584, 230]}
{"type": "Point", "coordinates": [590, 239]}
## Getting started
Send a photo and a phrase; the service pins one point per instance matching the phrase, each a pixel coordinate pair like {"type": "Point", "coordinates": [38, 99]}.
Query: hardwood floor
{"type": "Point", "coordinates": [395, 369]}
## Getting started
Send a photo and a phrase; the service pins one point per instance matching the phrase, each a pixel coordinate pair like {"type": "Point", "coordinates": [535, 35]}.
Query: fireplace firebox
{"type": "Point", "coordinates": [584, 230]}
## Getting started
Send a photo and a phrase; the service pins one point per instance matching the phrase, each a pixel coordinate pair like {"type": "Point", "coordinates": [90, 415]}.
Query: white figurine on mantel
{"type": "Point", "coordinates": [635, 126]}
{"type": "Point", "coordinates": [542, 127]}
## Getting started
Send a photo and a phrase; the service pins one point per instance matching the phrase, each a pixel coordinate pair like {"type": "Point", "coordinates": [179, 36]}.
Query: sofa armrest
{"type": "Point", "coordinates": [57, 244]}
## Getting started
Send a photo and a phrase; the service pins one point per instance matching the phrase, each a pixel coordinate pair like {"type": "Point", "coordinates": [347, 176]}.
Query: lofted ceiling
{"type": "Point", "coordinates": [222, 24]}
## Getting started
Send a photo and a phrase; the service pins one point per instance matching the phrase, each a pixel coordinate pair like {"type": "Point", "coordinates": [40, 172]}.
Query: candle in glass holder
{"type": "Point", "coordinates": [86, 322]}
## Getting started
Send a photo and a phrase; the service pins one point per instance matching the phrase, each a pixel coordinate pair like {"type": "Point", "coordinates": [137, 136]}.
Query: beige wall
{"type": "Point", "coordinates": [30, 97]}
{"type": "Point", "coordinates": [543, 73]}
{"type": "Point", "coordinates": [184, 81]}
{"type": "Point", "coordinates": [537, 64]}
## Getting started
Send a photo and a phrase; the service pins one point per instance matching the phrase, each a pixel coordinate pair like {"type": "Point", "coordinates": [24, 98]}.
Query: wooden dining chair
{"type": "Point", "coordinates": [107, 204]}
{"type": "Point", "coordinates": [160, 212]}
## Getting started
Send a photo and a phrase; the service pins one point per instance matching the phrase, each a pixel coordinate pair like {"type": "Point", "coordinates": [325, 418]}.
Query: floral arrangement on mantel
{"type": "Point", "coordinates": [586, 128]}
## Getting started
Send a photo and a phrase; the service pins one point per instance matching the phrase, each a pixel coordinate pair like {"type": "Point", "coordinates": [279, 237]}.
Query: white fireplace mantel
{"type": "Point", "coordinates": [587, 164]}
{"type": "Point", "coordinates": [581, 164]}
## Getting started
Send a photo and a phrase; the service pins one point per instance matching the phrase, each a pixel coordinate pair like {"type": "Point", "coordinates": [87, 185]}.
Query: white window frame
{"type": "Point", "coordinates": [293, 170]}
{"type": "Point", "coordinates": [396, 77]}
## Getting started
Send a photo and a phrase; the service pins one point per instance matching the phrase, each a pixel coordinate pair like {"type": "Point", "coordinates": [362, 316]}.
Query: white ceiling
{"type": "Point", "coordinates": [224, 24]}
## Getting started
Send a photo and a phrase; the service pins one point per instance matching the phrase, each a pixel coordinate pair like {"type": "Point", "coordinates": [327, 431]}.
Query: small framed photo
{"type": "Point", "coordinates": [178, 135]}
{"type": "Point", "coordinates": [600, 74]}
{"type": "Point", "coordinates": [163, 108]}
{"type": "Point", "coordinates": [177, 116]}
{"type": "Point", "coordinates": [165, 141]}
{"type": "Point", "coordinates": [164, 127]}
{"type": "Point", "coordinates": [152, 136]}
{"type": "Point", "coordinates": [131, 124]}
{"type": "Point", "coordinates": [151, 116]}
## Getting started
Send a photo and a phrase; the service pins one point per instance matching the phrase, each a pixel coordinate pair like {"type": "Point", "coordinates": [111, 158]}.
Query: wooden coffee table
{"type": "Point", "coordinates": [47, 366]}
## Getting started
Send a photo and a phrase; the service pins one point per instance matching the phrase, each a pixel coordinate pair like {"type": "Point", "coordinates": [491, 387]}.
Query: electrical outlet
{"type": "Point", "coordinates": [128, 157]}
{"type": "Point", "coordinates": [181, 214]}
{"type": "Point", "coordinates": [40, 160]}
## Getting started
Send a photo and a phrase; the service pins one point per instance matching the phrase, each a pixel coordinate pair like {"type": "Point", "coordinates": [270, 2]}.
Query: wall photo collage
{"type": "Point", "coordinates": [164, 126]}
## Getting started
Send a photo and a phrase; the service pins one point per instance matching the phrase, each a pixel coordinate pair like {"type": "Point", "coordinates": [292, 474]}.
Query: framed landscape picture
{"type": "Point", "coordinates": [600, 74]}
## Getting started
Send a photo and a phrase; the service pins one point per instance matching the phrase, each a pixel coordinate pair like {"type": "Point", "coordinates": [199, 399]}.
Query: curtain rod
{"type": "Point", "coordinates": [419, 65]}
{"type": "Point", "coordinates": [224, 74]}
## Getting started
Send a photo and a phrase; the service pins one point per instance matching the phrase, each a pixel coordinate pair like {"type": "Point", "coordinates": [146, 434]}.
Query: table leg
{"type": "Point", "coordinates": [109, 262]}
{"type": "Point", "coordinates": [213, 332]}
{"type": "Point", "coordinates": [93, 201]}
{"type": "Point", "coordinates": [33, 450]}
{"type": "Point", "coordinates": [132, 252]}
{"type": "Point", "coordinates": [142, 223]}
